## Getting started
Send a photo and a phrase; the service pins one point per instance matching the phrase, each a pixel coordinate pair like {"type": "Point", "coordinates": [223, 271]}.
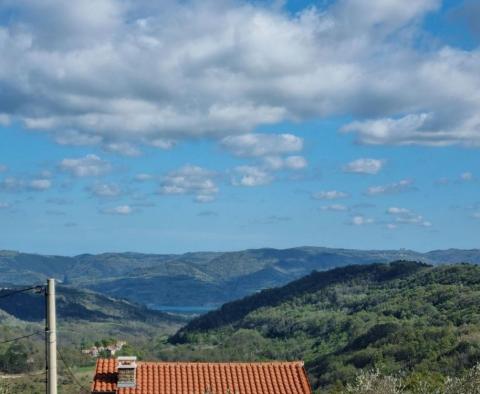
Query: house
{"type": "Point", "coordinates": [127, 376]}
{"type": "Point", "coordinates": [94, 351]}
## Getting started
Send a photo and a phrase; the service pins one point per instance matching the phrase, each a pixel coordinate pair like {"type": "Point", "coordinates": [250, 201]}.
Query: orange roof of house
{"type": "Point", "coordinates": [200, 378]}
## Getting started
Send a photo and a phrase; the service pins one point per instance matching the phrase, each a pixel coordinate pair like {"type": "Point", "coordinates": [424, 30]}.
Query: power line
{"type": "Point", "coordinates": [39, 287]}
{"type": "Point", "coordinates": [72, 375]}
{"type": "Point", "coordinates": [19, 338]}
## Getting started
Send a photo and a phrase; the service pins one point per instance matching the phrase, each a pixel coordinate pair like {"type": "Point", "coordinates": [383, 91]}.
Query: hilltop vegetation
{"type": "Point", "coordinates": [197, 279]}
{"type": "Point", "coordinates": [404, 317]}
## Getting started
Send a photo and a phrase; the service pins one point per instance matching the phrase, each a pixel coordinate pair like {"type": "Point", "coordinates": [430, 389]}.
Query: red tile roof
{"type": "Point", "coordinates": [200, 378]}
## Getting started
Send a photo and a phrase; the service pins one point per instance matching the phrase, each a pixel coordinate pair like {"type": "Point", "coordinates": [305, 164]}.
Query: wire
{"type": "Point", "coordinates": [72, 375]}
{"type": "Point", "coordinates": [18, 338]}
{"type": "Point", "coordinates": [22, 291]}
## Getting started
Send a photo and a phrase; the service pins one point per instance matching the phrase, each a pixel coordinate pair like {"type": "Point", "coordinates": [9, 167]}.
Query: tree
{"type": "Point", "coordinates": [16, 358]}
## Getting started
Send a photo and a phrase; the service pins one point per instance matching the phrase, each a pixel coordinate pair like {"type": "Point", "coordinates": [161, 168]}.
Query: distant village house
{"type": "Point", "coordinates": [109, 350]}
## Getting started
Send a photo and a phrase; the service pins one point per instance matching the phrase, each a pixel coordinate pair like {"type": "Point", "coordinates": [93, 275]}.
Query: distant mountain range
{"type": "Point", "coordinates": [203, 278]}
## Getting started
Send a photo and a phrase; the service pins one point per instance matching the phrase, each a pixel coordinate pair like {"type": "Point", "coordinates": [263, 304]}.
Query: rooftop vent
{"type": "Point", "coordinates": [126, 371]}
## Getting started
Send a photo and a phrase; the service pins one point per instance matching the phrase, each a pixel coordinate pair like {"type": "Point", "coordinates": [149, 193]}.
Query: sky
{"type": "Point", "coordinates": [173, 126]}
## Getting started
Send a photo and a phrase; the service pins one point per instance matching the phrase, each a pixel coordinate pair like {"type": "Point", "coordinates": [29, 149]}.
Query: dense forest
{"type": "Point", "coordinates": [405, 318]}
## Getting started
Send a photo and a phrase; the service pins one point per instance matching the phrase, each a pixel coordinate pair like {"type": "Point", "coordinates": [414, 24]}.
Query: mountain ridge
{"type": "Point", "coordinates": [201, 278]}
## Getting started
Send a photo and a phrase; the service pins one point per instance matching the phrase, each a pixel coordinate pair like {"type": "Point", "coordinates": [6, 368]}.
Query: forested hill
{"type": "Point", "coordinates": [77, 304]}
{"type": "Point", "coordinates": [403, 316]}
{"type": "Point", "coordinates": [199, 278]}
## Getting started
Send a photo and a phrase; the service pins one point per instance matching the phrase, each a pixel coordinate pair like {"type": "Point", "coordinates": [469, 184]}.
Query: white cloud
{"type": "Point", "coordinates": [4, 119]}
{"type": "Point", "coordinates": [334, 208]}
{"type": "Point", "coordinates": [122, 210]}
{"type": "Point", "coordinates": [73, 137]}
{"type": "Point", "coordinates": [161, 143]}
{"type": "Point", "coordinates": [398, 211]}
{"type": "Point", "coordinates": [264, 172]}
{"type": "Point", "coordinates": [191, 180]}
{"type": "Point", "coordinates": [295, 162]}
{"type": "Point", "coordinates": [360, 220]}
{"type": "Point", "coordinates": [251, 176]}
{"type": "Point", "coordinates": [275, 163]}
{"type": "Point", "coordinates": [105, 190]}
{"type": "Point", "coordinates": [330, 195]}
{"type": "Point", "coordinates": [40, 184]}
{"type": "Point", "coordinates": [391, 226]}
{"type": "Point", "coordinates": [122, 148]}
{"type": "Point", "coordinates": [3, 168]}
{"type": "Point", "coordinates": [392, 188]}
{"type": "Point", "coordinates": [365, 166]}
{"type": "Point", "coordinates": [467, 176]}
{"type": "Point", "coordinates": [223, 68]}
{"type": "Point", "coordinates": [143, 177]}
{"type": "Point", "coordinates": [90, 165]}
{"type": "Point", "coordinates": [13, 184]}
{"type": "Point", "coordinates": [260, 145]}
{"type": "Point", "coordinates": [406, 216]}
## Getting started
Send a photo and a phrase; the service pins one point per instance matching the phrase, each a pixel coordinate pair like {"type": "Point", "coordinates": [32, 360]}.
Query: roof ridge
{"type": "Point", "coordinates": [163, 376]}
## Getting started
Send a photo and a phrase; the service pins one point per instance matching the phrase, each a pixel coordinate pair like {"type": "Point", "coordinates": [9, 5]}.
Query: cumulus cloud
{"type": "Point", "coordinates": [365, 166]}
{"type": "Point", "coordinates": [223, 68]}
{"type": "Point", "coordinates": [13, 184]}
{"type": "Point", "coordinates": [360, 220]}
{"type": "Point", "coordinates": [259, 145]}
{"type": "Point", "coordinates": [121, 210]}
{"type": "Point", "coordinates": [40, 184]}
{"type": "Point", "coordinates": [406, 216]}
{"type": "Point", "coordinates": [330, 195]}
{"type": "Point", "coordinates": [90, 165]}
{"type": "Point", "coordinates": [392, 188]}
{"type": "Point", "coordinates": [398, 211]}
{"type": "Point", "coordinates": [251, 176]}
{"type": "Point", "coordinates": [123, 148]}
{"type": "Point", "coordinates": [190, 180]}
{"type": "Point", "coordinates": [105, 190]}
{"type": "Point", "coordinates": [293, 163]}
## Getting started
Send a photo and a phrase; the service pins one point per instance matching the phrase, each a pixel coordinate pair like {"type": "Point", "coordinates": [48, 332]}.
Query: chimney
{"type": "Point", "coordinates": [126, 372]}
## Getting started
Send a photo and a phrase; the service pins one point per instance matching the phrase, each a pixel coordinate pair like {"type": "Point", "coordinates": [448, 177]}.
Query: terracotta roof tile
{"type": "Point", "coordinates": [199, 378]}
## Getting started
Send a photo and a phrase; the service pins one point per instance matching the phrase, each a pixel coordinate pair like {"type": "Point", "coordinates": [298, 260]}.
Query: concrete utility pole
{"type": "Point", "coordinates": [51, 338]}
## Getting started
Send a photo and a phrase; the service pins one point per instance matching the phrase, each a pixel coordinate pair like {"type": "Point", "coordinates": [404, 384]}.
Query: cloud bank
{"type": "Point", "coordinates": [121, 74]}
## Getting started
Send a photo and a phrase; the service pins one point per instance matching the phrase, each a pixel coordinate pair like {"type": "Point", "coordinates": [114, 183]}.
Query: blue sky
{"type": "Point", "coordinates": [224, 125]}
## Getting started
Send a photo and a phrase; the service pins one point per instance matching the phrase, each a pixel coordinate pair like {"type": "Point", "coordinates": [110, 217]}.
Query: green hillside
{"type": "Point", "coordinates": [77, 304]}
{"type": "Point", "coordinates": [406, 317]}
{"type": "Point", "coordinates": [84, 318]}
{"type": "Point", "coordinates": [197, 279]}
